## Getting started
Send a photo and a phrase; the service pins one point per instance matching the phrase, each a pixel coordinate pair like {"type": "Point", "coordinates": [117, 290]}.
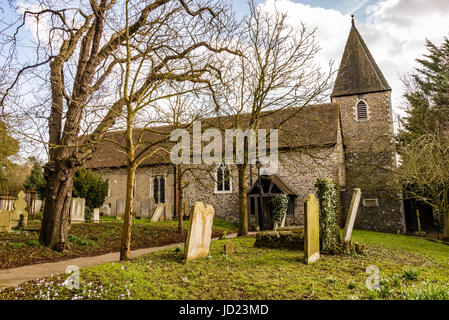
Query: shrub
{"type": "Point", "coordinates": [35, 180]}
{"type": "Point", "coordinates": [280, 206]}
{"type": "Point", "coordinates": [88, 214]}
{"type": "Point", "coordinates": [90, 186]}
{"type": "Point", "coordinates": [410, 275]}
{"type": "Point", "coordinates": [33, 243]}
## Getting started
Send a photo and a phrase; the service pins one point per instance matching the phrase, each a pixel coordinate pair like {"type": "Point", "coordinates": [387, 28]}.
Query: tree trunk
{"type": "Point", "coordinates": [179, 206]}
{"type": "Point", "coordinates": [446, 226]}
{"type": "Point", "coordinates": [243, 206]}
{"type": "Point", "coordinates": [55, 221]}
{"type": "Point", "coordinates": [125, 250]}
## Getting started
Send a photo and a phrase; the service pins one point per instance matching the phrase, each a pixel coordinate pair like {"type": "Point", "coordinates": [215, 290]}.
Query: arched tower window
{"type": "Point", "coordinates": [362, 111]}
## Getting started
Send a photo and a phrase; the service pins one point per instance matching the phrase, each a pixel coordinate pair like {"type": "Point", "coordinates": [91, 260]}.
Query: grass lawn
{"type": "Point", "coordinates": [21, 248]}
{"type": "Point", "coordinates": [409, 268]}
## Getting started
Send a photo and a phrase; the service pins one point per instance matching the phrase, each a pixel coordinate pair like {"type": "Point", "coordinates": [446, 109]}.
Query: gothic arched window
{"type": "Point", "coordinates": [159, 189]}
{"type": "Point", "coordinates": [223, 183]}
{"type": "Point", "coordinates": [362, 111]}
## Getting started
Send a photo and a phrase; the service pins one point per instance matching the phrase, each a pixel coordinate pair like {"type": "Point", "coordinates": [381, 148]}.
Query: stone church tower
{"type": "Point", "coordinates": [368, 137]}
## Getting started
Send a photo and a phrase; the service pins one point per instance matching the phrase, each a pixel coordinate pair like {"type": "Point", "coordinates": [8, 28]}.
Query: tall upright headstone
{"type": "Point", "coordinates": [97, 215]}
{"type": "Point", "coordinates": [120, 209]}
{"type": "Point", "coordinates": [352, 214]}
{"type": "Point", "coordinates": [200, 232]}
{"type": "Point", "coordinates": [77, 210]}
{"type": "Point", "coordinates": [144, 209]}
{"type": "Point", "coordinates": [168, 212]}
{"type": "Point", "coordinates": [311, 230]}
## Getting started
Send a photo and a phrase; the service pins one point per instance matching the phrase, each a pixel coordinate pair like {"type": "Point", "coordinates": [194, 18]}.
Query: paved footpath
{"type": "Point", "coordinates": [13, 277]}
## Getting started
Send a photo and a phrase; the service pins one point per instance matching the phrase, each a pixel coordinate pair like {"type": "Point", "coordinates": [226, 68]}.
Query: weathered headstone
{"type": "Point", "coordinates": [97, 215]}
{"type": "Point", "coordinates": [168, 212]}
{"type": "Point", "coordinates": [352, 214]}
{"type": "Point", "coordinates": [19, 210]}
{"type": "Point", "coordinates": [77, 210]}
{"type": "Point", "coordinates": [311, 230]}
{"type": "Point", "coordinates": [200, 232]}
{"type": "Point", "coordinates": [37, 206]}
{"type": "Point", "coordinates": [105, 210]}
{"type": "Point", "coordinates": [5, 221]}
{"type": "Point", "coordinates": [120, 209]}
{"type": "Point", "coordinates": [144, 209]}
{"type": "Point", "coordinates": [158, 212]}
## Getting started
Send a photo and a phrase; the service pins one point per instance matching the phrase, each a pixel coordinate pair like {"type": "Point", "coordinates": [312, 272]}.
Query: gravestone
{"type": "Point", "coordinates": [19, 210]}
{"type": "Point", "coordinates": [77, 210]}
{"type": "Point", "coordinates": [144, 209]}
{"type": "Point", "coordinates": [105, 210]}
{"type": "Point", "coordinates": [120, 209]}
{"type": "Point", "coordinates": [311, 230]}
{"type": "Point", "coordinates": [200, 232]}
{"type": "Point", "coordinates": [168, 212]}
{"type": "Point", "coordinates": [352, 214]}
{"type": "Point", "coordinates": [5, 221]}
{"type": "Point", "coordinates": [97, 215]}
{"type": "Point", "coordinates": [37, 206]}
{"type": "Point", "coordinates": [158, 212]}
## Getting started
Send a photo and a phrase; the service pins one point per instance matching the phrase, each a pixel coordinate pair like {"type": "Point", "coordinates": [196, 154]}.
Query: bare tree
{"type": "Point", "coordinates": [425, 174]}
{"type": "Point", "coordinates": [276, 72]}
{"type": "Point", "coordinates": [79, 63]}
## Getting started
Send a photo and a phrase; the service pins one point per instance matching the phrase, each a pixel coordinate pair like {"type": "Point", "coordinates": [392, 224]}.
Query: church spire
{"type": "Point", "coordinates": [359, 72]}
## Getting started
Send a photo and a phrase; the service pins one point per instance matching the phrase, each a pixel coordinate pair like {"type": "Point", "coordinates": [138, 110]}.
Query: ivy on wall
{"type": "Point", "coordinates": [329, 230]}
{"type": "Point", "coordinates": [280, 206]}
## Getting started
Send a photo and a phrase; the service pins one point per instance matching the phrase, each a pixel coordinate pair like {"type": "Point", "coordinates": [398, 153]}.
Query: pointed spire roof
{"type": "Point", "coordinates": [359, 72]}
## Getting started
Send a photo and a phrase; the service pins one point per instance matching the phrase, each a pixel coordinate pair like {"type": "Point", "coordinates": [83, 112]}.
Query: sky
{"type": "Point", "coordinates": [394, 30]}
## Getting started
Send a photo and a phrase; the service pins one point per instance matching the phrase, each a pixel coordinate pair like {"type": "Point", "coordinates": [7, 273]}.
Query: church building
{"type": "Point", "coordinates": [350, 140]}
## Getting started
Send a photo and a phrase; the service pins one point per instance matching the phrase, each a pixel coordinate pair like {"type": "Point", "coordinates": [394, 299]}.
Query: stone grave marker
{"type": "Point", "coordinates": [77, 210]}
{"type": "Point", "coordinates": [168, 212]}
{"type": "Point", "coordinates": [200, 232]}
{"type": "Point", "coordinates": [97, 215]}
{"type": "Point", "coordinates": [105, 210]}
{"type": "Point", "coordinates": [120, 209]}
{"type": "Point", "coordinates": [311, 230]}
{"type": "Point", "coordinates": [5, 221]}
{"type": "Point", "coordinates": [158, 212]}
{"type": "Point", "coordinates": [19, 210]}
{"type": "Point", "coordinates": [144, 209]}
{"type": "Point", "coordinates": [352, 214]}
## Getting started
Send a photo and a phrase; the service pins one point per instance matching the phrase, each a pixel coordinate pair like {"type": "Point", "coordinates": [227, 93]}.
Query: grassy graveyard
{"type": "Point", "coordinates": [410, 268]}
{"type": "Point", "coordinates": [20, 248]}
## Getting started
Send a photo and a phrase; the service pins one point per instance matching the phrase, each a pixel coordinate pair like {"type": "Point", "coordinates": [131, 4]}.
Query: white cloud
{"type": "Point", "coordinates": [395, 32]}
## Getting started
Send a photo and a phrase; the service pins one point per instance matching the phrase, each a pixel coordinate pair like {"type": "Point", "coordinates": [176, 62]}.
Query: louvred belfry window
{"type": "Point", "coordinates": [362, 111]}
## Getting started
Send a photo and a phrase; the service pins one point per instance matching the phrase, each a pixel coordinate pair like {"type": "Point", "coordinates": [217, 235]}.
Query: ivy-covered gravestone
{"type": "Point", "coordinates": [280, 206]}
{"type": "Point", "coordinates": [329, 229]}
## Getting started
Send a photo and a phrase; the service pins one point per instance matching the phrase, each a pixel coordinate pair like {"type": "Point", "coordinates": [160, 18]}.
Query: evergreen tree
{"type": "Point", "coordinates": [35, 180]}
{"type": "Point", "coordinates": [428, 95]}
{"type": "Point", "coordinates": [8, 147]}
{"type": "Point", "coordinates": [90, 186]}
